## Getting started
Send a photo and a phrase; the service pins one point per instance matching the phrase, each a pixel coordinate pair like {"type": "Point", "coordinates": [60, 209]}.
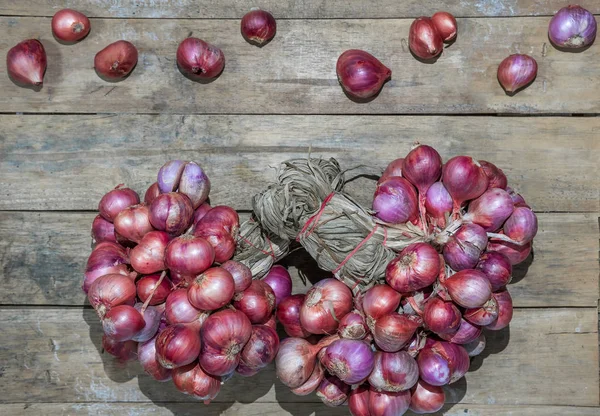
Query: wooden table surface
{"type": "Point", "coordinates": [64, 146]}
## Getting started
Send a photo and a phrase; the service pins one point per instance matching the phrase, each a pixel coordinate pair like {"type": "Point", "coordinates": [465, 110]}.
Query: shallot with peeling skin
{"type": "Point", "coordinates": [117, 60]}
{"type": "Point", "coordinates": [193, 380]}
{"type": "Point", "coordinates": [395, 201]}
{"type": "Point", "coordinates": [116, 201]}
{"type": "Point", "coordinates": [462, 250]}
{"type": "Point", "coordinates": [149, 255]}
{"type": "Point", "coordinates": [328, 301]}
{"type": "Point", "coordinates": [194, 183]}
{"type": "Point", "coordinates": [426, 398]}
{"type": "Point", "coordinates": [332, 391]}
{"type": "Point", "coordinates": [171, 212]}
{"type": "Point", "coordinates": [199, 59]}
{"type": "Point", "coordinates": [505, 311]}
{"type": "Point", "coordinates": [392, 332]}
{"type": "Point", "coordinates": [109, 291]}
{"type": "Point", "coordinates": [516, 72]}
{"type": "Point", "coordinates": [169, 175]}
{"type": "Point", "coordinates": [394, 371]}
{"type": "Point", "coordinates": [258, 27]}
{"type": "Point", "coordinates": [484, 315]}
{"type": "Point", "coordinates": [497, 178]}
{"type": "Point", "coordinates": [514, 252]}
{"type": "Point", "coordinates": [416, 267]}
{"type": "Point", "coordinates": [572, 27]}
{"type": "Point", "coordinates": [360, 74]}
{"type": "Point", "coordinates": [26, 62]}
{"type": "Point", "coordinates": [445, 24]}
{"type": "Point", "coordinates": [146, 353]}
{"type": "Point", "coordinates": [353, 326]}
{"type": "Point", "coordinates": [312, 383]}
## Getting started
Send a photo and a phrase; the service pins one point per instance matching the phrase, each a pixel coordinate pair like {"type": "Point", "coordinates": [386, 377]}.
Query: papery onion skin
{"type": "Point", "coordinates": [392, 332]}
{"type": "Point", "coordinates": [463, 249]}
{"type": "Point", "coordinates": [515, 253]}
{"type": "Point", "coordinates": [261, 348]}
{"type": "Point", "coordinates": [124, 351]}
{"type": "Point", "coordinates": [433, 367]}
{"type": "Point", "coordinates": [199, 59]}
{"type": "Point", "coordinates": [426, 398]}
{"type": "Point", "coordinates": [147, 356]}
{"type": "Point", "coordinates": [149, 255]}
{"type": "Point", "coordinates": [383, 403]}
{"type": "Point", "coordinates": [424, 40]}
{"type": "Point", "coordinates": [464, 179]}
{"type": "Point", "coordinates": [152, 316]}
{"type": "Point", "coordinates": [491, 209]}
{"type": "Point", "coordinates": [116, 201]}
{"type": "Point", "coordinates": [221, 241]}
{"type": "Point", "coordinates": [109, 291]}
{"type": "Point", "coordinates": [26, 62]}
{"type": "Point", "coordinates": [457, 357]}
{"type": "Point", "coordinates": [328, 301]}
{"type": "Point", "coordinates": [102, 230]}
{"type": "Point", "coordinates": [106, 258]}
{"type": "Point", "coordinates": [257, 302]}
{"type": "Point", "coordinates": [242, 275]}
{"type": "Point", "coordinates": [496, 177]}
{"type": "Point", "coordinates": [393, 371]}
{"type": "Point", "coordinates": [496, 267]}
{"type": "Point", "coordinates": [521, 226]}
{"type": "Point", "coordinates": [572, 27]}
{"type": "Point", "coordinates": [350, 360]}
{"type": "Point", "coordinates": [194, 381]}
{"type": "Point", "coordinates": [394, 168]}
{"type": "Point", "coordinates": [169, 175]}
{"type": "Point", "coordinates": [358, 401]}
{"type": "Point", "coordinates": [70, 25]}
{"type": "Point", "coordinates": [295, 362]}
{"type": "Point", "coordinates": [122, 323]}
{"type": "Point", "coordinates": [353, 326]}
{"type": "Point", "coordinates": [422, 167]}
{"type": "Point", "coordinates": [441, 317]}
{"type": "Point", "coordinates": [279, 279]}
{"type": "Point", "coordinates": [312, 383]}
{"type": "Point", "coordinates": [212, 289]}
{"type": "Point", "coordinates": [445, 24]}
{"type": "Point", "coordinates": [179, 310]}
{"type": "Point", "coordinates": [224, 334]}
{"type": "Point", "coordinates": [258, 27]}
{"type": "Point", "coordinates": [151, 193]}
{"type": "Point", "coordinates": [517, 71]}
{"type": "Point", "coordinates": [476, 347]}
{"type": "Point", "coordinates": [117, 60]}
{"type": "Point", "coordinates": [171, 212]}
{"type": "Point", "coordinates": [360, 74]}
{"type": "Point", "coordinates": [194, 184]}
{"type": "Point", "coordinates": [133, 223]}
{"type": "Point", "coordinates": [189, 255]}
{"type": "Point", "coordinates": [332, 391]}
{"type": "Point", "coordinates": [223, 217]}
{"type": "Point", "coordinates": [467, 332]}
{"type": "Point", "coordinates": [288, 314]}
{"type": "Point", "coordinates": [395, 201]}
{"type": "Point", "coordinates": [484, 315]}
{"type": "Point", "coordinates": [505, 311]}
{"type": "Point", "coordinates": [469, 288]}
{"type": "Point", "coordinates": [177, 345]}
{"type": "Point", "coordinates": [416, 267]}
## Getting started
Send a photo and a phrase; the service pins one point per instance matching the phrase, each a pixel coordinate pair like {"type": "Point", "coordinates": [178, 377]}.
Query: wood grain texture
{"type": "Point", "coordinates": [43, 256]}
{"type": "Point", "coordinates": [68, 162]}
{"type": "Point", "coordinates": [306, 9]}
{"type": "Point", "coordinates": [270, 409]}
{"type": "Point", "coordinates": [546, 357]}
{"type": "Point", "coordinates": [295, 73]}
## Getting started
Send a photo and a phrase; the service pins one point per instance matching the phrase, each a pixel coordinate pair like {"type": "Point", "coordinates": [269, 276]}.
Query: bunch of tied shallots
{"type": "Point", "coordinates": [394, 346]}
{"type": "Point", "coordinates": [162, 281]}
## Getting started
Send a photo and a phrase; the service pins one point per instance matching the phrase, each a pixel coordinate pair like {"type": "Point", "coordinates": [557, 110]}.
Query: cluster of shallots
{"type": "Point", "coordinates": [393, 347]}
{"type": "Point", "coordinates": [162, 281]}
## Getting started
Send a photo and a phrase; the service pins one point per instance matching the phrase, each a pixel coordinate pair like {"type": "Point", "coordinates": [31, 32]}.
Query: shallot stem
{"type": "Point", "coordinates": [506, 238]}
{"type": "Point", "coordinates": [145, 305]}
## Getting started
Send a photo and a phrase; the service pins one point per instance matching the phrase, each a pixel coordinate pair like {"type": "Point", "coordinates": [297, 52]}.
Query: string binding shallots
{"type": "Point", "coordinates": [307, 204]}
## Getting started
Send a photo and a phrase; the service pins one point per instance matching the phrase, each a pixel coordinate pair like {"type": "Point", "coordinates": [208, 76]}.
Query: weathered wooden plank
{"type": "Point", "coordinates": [43, 256]}
{"type": "Point", "coordinates": [69, 162]}
{"type": "Point", "coordinates": [307, 9]}
{"type": "Point", "coordinates": [296, 72]}
{"type": "Point", "coordinates": [270, 409]}
{"type": "Point", "coordinates": [546, 357]}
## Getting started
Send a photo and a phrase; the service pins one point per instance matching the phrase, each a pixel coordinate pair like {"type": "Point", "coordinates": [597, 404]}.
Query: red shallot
{"type": "Point", "coordinates": [516, 71]}
{"type": "Point", "coordinates": [280, 281]}
{"type": "Point", "coordinates": [257, 302]}
{"type": "Point", "coordinates": [360, 74]}
{"type": "Point", "coordinates": [445, 24]}
{"type": "Point", "coordinates": [70, 25]}
{"type": "Point", "coordinates": [393, 372]}
{"type": "Point", "coordinates": [26, 62]}
{"type": "Point", "coordinates": [288, 314]}
{"type": "Point", "coordinates": [117, 60]}
{"type": "Point", "coordinates": [116, 201]}
{"type": "Point", "coordinates": [258, 27]}
{"type": "Point", "coordinates": [177, 345]}
{"type": "Point", "coordinates": [211, 290]}
{"type": "Point", "coordinates": [199, 59]}
{"type": "Point", "coordinates": [328, 301]}
{"type": "Point", "coordinates": [149, 255]}
{"type": "Point", "coordinates": [416, 267]}
{"type": "Point", "coordinates": [424, 39]}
